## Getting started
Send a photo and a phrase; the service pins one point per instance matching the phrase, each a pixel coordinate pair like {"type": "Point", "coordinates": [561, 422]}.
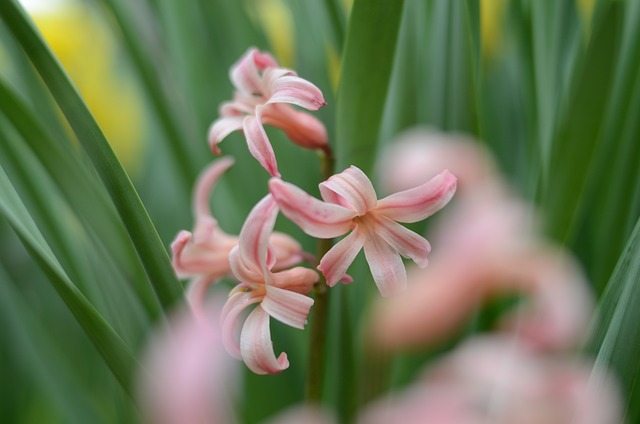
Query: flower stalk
{"type": "Point", "coordinates": [320, 310]}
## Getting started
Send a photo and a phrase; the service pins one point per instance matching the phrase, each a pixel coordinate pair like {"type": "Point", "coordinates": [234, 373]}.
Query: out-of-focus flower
{"type": "Point", "coordinates": [264, 95]}
{"type": "Point", "coordinates": [487, 248]}
{"type": "Point", "coordinates": [204, 254]}
{"type": "Point", "coordinates": [186, 375]}
{"type": "Point", "coordinates": [351, 203]}
{"type": "Point", "coordinates": [499, 381]}
{"type": "Point", "coordinates": [307, 414]}
{"type": "Point", "coordinates": [280, 295]}
{"type": "Point", "coordinates": [81, 43]}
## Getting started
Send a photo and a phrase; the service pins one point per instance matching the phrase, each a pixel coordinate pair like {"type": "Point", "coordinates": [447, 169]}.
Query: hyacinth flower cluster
{"type": "Point", "coordinates": [266, 264]}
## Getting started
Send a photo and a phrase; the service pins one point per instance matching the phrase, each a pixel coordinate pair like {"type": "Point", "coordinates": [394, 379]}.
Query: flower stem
{"type": "Point", "coordinates": [319, 318]}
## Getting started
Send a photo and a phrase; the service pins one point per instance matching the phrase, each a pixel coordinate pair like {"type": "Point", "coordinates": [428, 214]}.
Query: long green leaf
{"type": "Point", "coordinates": [367, 63]}
{"type": "Point", "coordinates": [152, 254]}
{"type": "Point", "coordinates": [617, 336]}
{"type": "Point", "coordinates": [115, 353]}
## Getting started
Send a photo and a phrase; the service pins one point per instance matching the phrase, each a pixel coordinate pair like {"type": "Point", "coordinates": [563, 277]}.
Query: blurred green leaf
{"type": "Point", "coordinates": [109, 344]}
{"type": "Point", "coordinates": [617, 334]}
{"type": "Point", "coordinates": [366, 69]}
{"type": "Point", "coordinates": [150, 250]}
{"type": "Point", "coordinates": [577, 139]}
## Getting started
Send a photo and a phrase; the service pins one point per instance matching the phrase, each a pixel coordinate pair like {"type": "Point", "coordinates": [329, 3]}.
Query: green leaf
{"type": "Point", "coordinates": [80, 188]}
{"type": "Point", "coordinates": [577, 139]}
{"type": "Point", "coordinates": [115, 353]}
{"type": "Point", "coordinates": [366, 69]}
{"type": "Point", "coordinates": [148, 245]}
{"type": "Point", "coordinates": [617, 335]}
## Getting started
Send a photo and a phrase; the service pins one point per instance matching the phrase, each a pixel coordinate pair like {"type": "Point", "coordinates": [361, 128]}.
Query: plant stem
{"type": "Point", "coordinates": [319, 319]}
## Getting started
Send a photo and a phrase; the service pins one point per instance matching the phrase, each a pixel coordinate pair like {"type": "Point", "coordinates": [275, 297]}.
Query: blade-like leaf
{"type": "Point", "coordinates": [367, 63]}
{"type": "Point", "coordinates": [617, 335]}
{"type": "Point", "coordinates": [152, 254]}
{"type": "Point", "coordinates": [115, 353]}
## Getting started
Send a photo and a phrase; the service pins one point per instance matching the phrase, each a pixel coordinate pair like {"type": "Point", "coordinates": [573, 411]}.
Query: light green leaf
{"type": "Point", "coordinates": [366, 68]}
{"type": "Point", "coordinates": [115, 353]}
{"type": "Point", "coordinates": [148, 246]}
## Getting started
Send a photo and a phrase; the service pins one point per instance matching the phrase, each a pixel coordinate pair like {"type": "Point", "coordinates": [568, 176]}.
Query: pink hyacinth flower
{"type": "Point", "coordinates": [279, 295]}
{"type": "Point", "coordinates": [350, 203]}
{"type": "Point", "coordinates": [488, 247]}
{"type": "Point", "coordinates": [186, 377]}
{"type": "Point", "coordinates": [264, 95]}
{"type": "Point", "coordinates": [495, 380]}
{"type": "Point", "coordinates": [204, 254]}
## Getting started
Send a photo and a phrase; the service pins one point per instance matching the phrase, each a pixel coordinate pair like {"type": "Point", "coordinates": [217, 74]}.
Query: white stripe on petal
{"type": "Point", "coordinates": [351, 188]}
{"type": "Point", "coordinates": [259, 144]}
{"type": "Point", "coordinates": [316, 218]}
{"type": "Point", "coordinates": [256, 346]}
{"type": "Point", "coordinates": [406, 242]}
{"type": "Point", "coordinates": [335, 263]}
{"type": "Point", "coordinates": [231, 311]}
{"type": "Point", "coordinates": [286, 306]}
{"type": "Point", "coordinates": [386, 266]}
{"type": "Point", "coordinates": [418, 203]}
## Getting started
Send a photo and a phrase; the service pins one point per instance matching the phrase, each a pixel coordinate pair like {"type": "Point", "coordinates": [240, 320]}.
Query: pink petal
{"type": "Point", "coordinates": [406, 242]}
{"type": "Point", "coordinates": [232, 309]}
{"type": "Point", "coordinates": [300, 127]}
{"type": "Point", "coordinates": [418, 203]}
{"type": "Point", "coordinates": [244, 74]}
{"type": "Point", "coordinates": [259, 144]}
{"type": "Point", "coordinates": [336, 261]}
{"type": "Point", "coordinates": [221, 128]}
{"type": "Point", "coordinates": [316, 218]}
{"type": "Point", "coordinates": [286, 88]}
{"type": "Point", "coordinates": [206, 181]}
{"type": "Point", "coordinates": [256, 345]}
{"type": "Point", "coordinates": [386, 265]}
{"type": "Point", "coordinates": [197, 293]}
{"type": "Point", "coordinates": [255, 232]}
{"type": "Point", "coordinates": [286, 306]}
{"type": "Point", "coordinates": [298, 279]}
{"type": "Point", "coordinates": [352, 189]}
{"type": "Point", "coordinates": [247, 272]}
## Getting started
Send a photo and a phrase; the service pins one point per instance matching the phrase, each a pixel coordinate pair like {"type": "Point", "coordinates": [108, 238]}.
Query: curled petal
{"type": "Point", "coordinates": [336, 261]}
{"type": "Point", "coordinates": [418, 203]}
{"type": "Point", "coordinates": [197, 293]}
{"type": "Point", "coordinates": [206, 181]}
{"type": "Point", "coordinates": [316, 218]}
{"type": "Point", "coordinates": [244, 73]}
{"type": "Point", "coordinates": [286, 88]}
{"type": "Point", "coordinates": [256, 230]}
{"type": "Point", "coordinates": [386, 266]}
{"type": "Point", "coordinates": [232, 309]}
{"type": "Point", "coordinates": [221, 128]}
{"type": "Point", "coordinates": [256, 346]}
{"type": "Point", "coordinates": [406, 242]}
{"type": "Point", "coordinates": [352, 189]}
{"type": "Point", "coordinates": [259, 144]}
{"type": "Point", "coordinates": [298, 279]}
{"type": "Point", "coordinates": [286, 306]}
{"type": "Point", "coordinates": [287, 251]}
{"type": "Point", "coordinates": [303, 129]}
{"type": "Point", "coordinates": [247, 272]}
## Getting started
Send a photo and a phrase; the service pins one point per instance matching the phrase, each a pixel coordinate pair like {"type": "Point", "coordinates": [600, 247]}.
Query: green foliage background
{"type": "Point", "coordinates": [84, 273]}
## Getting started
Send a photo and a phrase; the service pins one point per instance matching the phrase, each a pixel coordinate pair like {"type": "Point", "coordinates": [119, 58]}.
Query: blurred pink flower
{"type": "Point", "coordinates": [264, 93]}
{"type": "Point", "coordinates": [350, 203]}
{"type": "Point", "coordinates": [487, 247]}
{"type": "Point", "coordinates": [186, 375]}
{"type": "Point", "coordinates": [496, 380]}
{"type": "Point", "coordinates": [204, 254]}
{"type": "Point", "coordinates": [280, 295]}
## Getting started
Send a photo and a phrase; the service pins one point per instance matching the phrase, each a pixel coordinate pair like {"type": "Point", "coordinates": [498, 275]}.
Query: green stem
{"type": "Point", "coordinates": [319, 318]}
